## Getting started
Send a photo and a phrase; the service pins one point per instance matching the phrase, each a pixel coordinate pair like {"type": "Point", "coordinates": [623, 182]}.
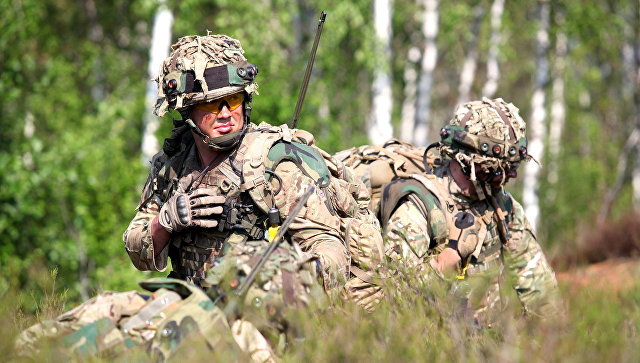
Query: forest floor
{"type": "Point", "coordinates": [614, 274]}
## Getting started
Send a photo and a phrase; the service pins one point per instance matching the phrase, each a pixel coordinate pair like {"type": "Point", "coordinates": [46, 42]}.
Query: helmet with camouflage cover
{"type": "Point", "coordinates": [489, 134]}
{"type": "Point", "coordinates": [201, 69]}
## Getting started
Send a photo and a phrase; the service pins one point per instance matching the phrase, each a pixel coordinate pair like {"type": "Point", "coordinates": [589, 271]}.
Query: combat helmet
{"type": "Point", "coordinates": [489, 134]}
{"type": "Point", "coordinates": [201, 69]}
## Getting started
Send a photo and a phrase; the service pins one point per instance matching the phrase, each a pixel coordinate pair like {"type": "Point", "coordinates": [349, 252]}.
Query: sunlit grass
{"type": "Point", "coordinates": [416, 322]}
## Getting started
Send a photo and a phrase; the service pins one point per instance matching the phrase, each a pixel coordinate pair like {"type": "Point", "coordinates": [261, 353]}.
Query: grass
{"type": "Point", "coordinates": [418, 323]}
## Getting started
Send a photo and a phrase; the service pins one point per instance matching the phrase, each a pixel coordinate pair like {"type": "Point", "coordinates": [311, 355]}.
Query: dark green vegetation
{"type": "Point", "coordinates": [72, 82]}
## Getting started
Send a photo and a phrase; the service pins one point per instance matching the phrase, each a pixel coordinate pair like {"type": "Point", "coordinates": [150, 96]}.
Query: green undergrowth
{"type": "Point", "coordinates": [415, 322]}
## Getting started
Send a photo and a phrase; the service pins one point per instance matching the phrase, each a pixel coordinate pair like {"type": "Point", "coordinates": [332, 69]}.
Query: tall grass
{"type": "Point", "coordinates": [419, 322]}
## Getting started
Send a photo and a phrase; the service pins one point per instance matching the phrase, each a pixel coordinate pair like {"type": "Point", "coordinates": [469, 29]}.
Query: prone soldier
{"type": "Point", "coordinates": [461, 217]}
{"type": "Point", "coordinates": [449, 213]}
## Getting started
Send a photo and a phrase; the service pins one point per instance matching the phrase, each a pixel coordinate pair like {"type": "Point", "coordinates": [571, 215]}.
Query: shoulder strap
{"type": "Point", "coordinates": [163, 170]}
{"type": "Point", "coordinates": [270, 145]}
{"type": "Point", "coordinates": [428, 194]}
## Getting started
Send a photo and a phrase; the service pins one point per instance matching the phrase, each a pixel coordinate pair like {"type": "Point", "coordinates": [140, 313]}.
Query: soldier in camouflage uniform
{"type": "Point", "coordinates": [176, 318]}
{"type": "Point", "coordinates": [221, 180]}
{"type": "Point", "coordinates": [460, 219]}
{"type": "Point", "coordinates": [215, 197]}
{"type": "Point", "coordinates": [218, 176]}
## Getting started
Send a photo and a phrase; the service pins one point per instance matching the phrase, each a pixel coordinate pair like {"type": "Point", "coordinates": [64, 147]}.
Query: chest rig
{"type": "Point", "coordinates": [478, 242]}
{"type": "Point", "coordinates": [244, 178]}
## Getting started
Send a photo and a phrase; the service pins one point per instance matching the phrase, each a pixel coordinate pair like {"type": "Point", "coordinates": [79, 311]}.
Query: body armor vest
{"type": "Point", "coordinates": [432, 196]}
{"type": "Point", "coordinates": [243, 179]}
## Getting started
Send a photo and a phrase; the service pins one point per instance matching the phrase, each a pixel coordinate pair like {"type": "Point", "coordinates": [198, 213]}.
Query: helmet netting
{"type": "Point", "coordinates": [197, 53]}
{"type": "Point", "coordinates": [482, 118]}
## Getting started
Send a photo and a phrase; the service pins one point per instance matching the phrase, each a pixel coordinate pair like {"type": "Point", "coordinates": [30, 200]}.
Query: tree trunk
{"type": "Point", "coordinates": [96, 36]}
{"type": "Point", "coordinates": [537, 118]}
{"type": "Point", "coordinates": [409, 103]}
{"type": "Point", "coordinates": [380, 128]}
{"type": "Point", "coordinates": [160, 43]}
{"type": "Point", "coordinates": [635, 174]}
{"type": "Point", "coordinates": [468, 73]}
{"type": "Point", "coordinates": [558, 108]}
{"type": "Point", "coordinates": [427, 66]}
{"type": "Point", "coordinates": [493, 70]}
{"type": "Point", "coordinates": [623, 160]}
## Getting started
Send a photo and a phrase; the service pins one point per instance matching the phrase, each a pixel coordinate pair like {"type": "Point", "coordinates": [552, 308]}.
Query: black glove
{"type": "Point", "coordinates": [197, 208]}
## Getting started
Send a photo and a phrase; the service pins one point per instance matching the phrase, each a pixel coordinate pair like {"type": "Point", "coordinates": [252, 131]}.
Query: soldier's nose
{"type": "Point", "coordinates": [225, 112]}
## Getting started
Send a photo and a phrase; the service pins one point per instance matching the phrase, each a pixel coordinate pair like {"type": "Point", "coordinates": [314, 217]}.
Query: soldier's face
{"type": "Point", "coordinates": [495, 178]}
{"type": "Point", "coordinates": [219, 117]}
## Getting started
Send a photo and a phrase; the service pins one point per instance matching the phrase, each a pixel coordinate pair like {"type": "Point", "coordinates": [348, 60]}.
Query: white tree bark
{"type": "Point", "coordinates": [160, 43]}
{"type": "Point", "coordinates": [380, 128]}
{"type": "Point", "coordinates": [96, 36]}
{"type": "Point", "coordinates": [410, 87]}
{"type": "Point", "coordinates": [558, 108]}
{"type": "Point", "coordinates": [635, 173]}
{"type": "Point", "coordinates": [427, 66]}
{"type": "Point", "coordinates": [29, 130]}
{"type": "Point", "coordinates": [493, 69]}
{"type": "Point", "coordinates": [536, 121]}
{"type": "Point", "coordinates": [468, 73]}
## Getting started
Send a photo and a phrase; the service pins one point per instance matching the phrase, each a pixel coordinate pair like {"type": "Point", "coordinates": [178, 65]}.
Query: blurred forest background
{"type": "Point", "coordinates": [73, 76]}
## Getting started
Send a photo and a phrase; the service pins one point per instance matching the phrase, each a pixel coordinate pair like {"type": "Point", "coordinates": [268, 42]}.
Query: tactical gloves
{"type": "Point", "coordinates": [197, 208]}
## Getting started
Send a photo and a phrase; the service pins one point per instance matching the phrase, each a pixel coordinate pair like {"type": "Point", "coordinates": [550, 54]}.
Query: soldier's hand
{"type": "Point", "coordinates": [447, 261]}
{"type": "Point", "coordinates": [197, 208]}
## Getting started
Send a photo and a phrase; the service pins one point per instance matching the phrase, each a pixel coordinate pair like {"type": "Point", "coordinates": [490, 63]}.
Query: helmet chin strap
{"type": "Point", "coordinates": [228, 141]}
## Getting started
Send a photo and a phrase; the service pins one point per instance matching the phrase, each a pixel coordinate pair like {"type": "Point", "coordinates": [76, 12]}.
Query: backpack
{"type": "Point", "coordinates": [348, 196]}
{"type": "Point", "coordinates": [377, 165]}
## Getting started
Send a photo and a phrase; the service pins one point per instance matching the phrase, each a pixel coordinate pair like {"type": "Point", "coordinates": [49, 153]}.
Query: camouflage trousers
{"type": "Point", "coordinates": [176, 317]}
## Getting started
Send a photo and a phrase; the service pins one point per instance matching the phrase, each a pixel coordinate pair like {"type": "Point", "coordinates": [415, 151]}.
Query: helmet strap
{"type": "Point", "coordinates": [480, 190]}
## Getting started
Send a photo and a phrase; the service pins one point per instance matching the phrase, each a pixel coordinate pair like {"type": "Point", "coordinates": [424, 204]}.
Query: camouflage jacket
{"type": "Point", "coordinates": [419, 227]}
{"type": "Point", "coordinates": [291, 155]}
{"type": "Point", "coordinates": [177, 319]}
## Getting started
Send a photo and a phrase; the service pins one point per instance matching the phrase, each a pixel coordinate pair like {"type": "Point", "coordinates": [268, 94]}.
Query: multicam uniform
{"type": "Point", "coordinates": [241, 179]}
{"type": "Point", "coordinates": [426, 214]}
{"type": "Point", "coordinates": [418, 229]}
{"type": "Point", "coordinates": [177, 319]}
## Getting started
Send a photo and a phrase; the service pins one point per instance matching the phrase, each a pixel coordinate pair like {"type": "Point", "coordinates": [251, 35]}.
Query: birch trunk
{"type": "Point", "coordinates": [427, 66]}
{"type": "Point", "coordinates": [28, 131]}
{"type": "Point", "coordinates": [536, 120]}
{"type": "Point", "coordinates": [380, 128]}
{"type": "Point", "coordinates": [493, 69]}
{"type": "Point", "coordinates": [558, 108]}
{"type": "Point", "coordinates": [160, 43]}
{"type": "Point", "coordinates": [635, 173]}
{"type": "Point", "coordinates": [629, 146]}
{"type": "Point", "coordinates": [468, 73]}
{"type": "Point", "coordinates": [409, 103]}
{"type": "Point", "coordinates": [95, 35]}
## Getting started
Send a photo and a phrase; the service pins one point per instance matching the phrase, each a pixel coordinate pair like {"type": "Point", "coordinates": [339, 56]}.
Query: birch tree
{"type": "Point", "coordinates": [558, 107]}
{"type": "Point", "coordinates": [95, 35]}
{"type": "Point", "coordinates": [493, 69]}
{"type": "Point", "coordinates": [468, 73]}
{"type": "Point", "coordinates": [635, 174]}
{"type": "Point", "coordinates": [631, 64]}
{"type": "Point", "coordinates": [537, 119]}
{"type": "Point", "coordinates": [409, 100]}
{"type": "Point", "coordinates": [427, 66]}
{"type": "Point", "coordinates": [621, 172]}
{"type": "Point", "coordinates": [380, 128]}
{"type": "Point", "coordinates": [159, 50]}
